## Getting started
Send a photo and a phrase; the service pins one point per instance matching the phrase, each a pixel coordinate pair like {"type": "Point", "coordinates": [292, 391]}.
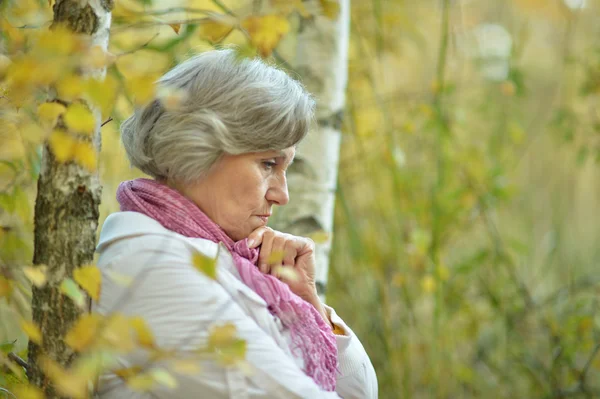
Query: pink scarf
{"type": "Point", "coordinates": [309, 332]}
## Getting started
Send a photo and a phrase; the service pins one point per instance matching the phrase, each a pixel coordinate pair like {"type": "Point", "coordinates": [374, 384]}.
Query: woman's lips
{"type": "Point", "coordinates": [265, 219]}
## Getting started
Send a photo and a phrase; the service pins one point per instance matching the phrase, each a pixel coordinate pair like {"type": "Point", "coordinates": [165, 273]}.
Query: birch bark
{"type": "Point", "coordinates": [321, 60]}
{"type": "Point", "coordinates": [66, 211]}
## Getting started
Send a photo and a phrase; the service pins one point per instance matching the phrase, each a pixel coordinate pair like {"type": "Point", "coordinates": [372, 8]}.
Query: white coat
{"type": "Point", "coordinates": [180, 304]}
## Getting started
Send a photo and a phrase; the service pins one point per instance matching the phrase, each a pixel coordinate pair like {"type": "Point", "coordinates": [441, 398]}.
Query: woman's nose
{"type": "Point", "coordinates": [278, 192]}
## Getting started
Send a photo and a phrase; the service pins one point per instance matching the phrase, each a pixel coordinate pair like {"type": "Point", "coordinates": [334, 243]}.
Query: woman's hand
{"type": "Point", "coordinates": [289, 258]}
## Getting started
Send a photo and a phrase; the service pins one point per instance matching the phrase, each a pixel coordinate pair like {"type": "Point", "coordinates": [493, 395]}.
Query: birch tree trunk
{"type": "Point", "coordinates": [66, 211]}
{"type": "Point", "coordinates": [321, 59]}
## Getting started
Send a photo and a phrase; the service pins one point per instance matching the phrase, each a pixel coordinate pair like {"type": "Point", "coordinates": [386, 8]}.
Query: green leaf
{"type": "Point", "coordinates": [205, 265]}
{"type": "Point", "coordinates": [7, 346]}
{"type": "Point", "coordinates": [71, 289]}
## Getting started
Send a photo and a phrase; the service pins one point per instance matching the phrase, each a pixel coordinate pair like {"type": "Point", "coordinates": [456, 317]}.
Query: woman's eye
{"type": "Point", "coordinates": [269, 164]}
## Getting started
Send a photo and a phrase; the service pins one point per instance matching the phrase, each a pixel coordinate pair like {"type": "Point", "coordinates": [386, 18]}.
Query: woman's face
{"type": "Point", "coordinates": [239, 192]}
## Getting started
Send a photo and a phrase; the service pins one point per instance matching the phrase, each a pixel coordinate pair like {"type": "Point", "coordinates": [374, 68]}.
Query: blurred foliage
{"type": "Point", "coordinates": [465, 233]}
{"type": "Point", "coordinates": [465, 241]}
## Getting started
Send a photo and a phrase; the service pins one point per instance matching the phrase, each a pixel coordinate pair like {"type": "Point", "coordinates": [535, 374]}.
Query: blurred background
{"type": "Point", "coordinates": [465, 246]}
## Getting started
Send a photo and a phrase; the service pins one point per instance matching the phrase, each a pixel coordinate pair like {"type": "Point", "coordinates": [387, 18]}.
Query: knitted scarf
{"type": "Point", "coordinates": [311, 337]}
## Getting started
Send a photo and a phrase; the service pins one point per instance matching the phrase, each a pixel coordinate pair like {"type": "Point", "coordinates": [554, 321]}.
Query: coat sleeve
{"type": "Point", "coordinates": [357, 379]}
{"type": "Point", "coordinates": [180, 305]}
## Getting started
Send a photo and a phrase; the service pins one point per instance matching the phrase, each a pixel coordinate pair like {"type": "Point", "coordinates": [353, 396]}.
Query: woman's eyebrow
{"type": "Point", "coordinates": [282, 154]}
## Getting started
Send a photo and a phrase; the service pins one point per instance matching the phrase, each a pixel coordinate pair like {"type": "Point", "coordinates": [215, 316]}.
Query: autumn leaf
{"type": "Point", "coordinates": [163, 377]}
{"type": "Point", "coordinates": [5, 287]}
{"type": "Point", "coordinates": [97, 58]}
{"type": "Point", "coordinates": [185, 366]}
{"type": "Point", "coordinates": [32, 331]}
{"type": "Point", "coordinates": [37, 275]}
{"type": "Point", "coordinates": [205, 265]}
{"type": "Point", "coordinates": [142, 88]}
{"type": "Point", "coordinates": [102, 93]}
{"type": "Point", "coordinates": [428, 284]}
{"type": "Point", "coordinates": [141, 382]}
{"type": "Point", "coordinates": [266, 31]}
{"type": "Point", "coordinates": [71, 289]}
{"type": "Point", "coordinates": [216, 28]}
{"type": "Point", "coordinates": [48, 113]}
{"type": "Point", "coordinates": [58, 41]}
{"type": "Point", "coordinates": [144, 334]}
{"type": "Point", "coordinates": [224, 343]}
{"type": "Point", "coordinates": [80, 119]}
{"type": "Point", "coordinates": [90, 279]}
{"type": "Point", "coordinates": [117, 333]}
{"type": "Point", "coordinates": [176, 27]}
{"type": "Point", "coordinates": [27, 391]}
{"type": "Point", "coordinates": [330, 8]}
{"type": "Point", "coordinates": [62, 145]}
{"type": "Point", "coordinates": [320, 237]}
{"type": "Point", "coordinates": [119, 278]}
{"type": "Point", "coordinates": [70, 87]}
{"type": "Point", "coordinates": [68, 384]}
{"type": "Point", "coordinates": [275, 257]}
{"type": "Point", "coordinates": [83, 333]}
{"type": "Point", "coordinates": [171, 97]}
{"type": "Point", "coordinates": [85, 155]}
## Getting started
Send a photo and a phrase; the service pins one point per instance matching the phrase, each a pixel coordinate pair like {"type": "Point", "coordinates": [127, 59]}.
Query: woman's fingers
{"type": "Point", "coordinates": [256, 237]}
{"type": "Point", "coordinates": [266, 243]}
{"type": "Point", "coordinates": [275, 258]}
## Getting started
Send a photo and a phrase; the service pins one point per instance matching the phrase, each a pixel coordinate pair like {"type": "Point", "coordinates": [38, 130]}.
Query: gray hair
{"type": "Point", "coordinates": [231, 105]}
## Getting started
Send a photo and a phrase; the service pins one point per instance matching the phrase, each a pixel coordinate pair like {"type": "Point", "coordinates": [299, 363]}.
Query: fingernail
{"type": "Point", "coordinates": [250, 243]}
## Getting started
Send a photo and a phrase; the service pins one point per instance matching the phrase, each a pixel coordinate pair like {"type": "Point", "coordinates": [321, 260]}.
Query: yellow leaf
{"type": "Point", "coordinates": [443, 272]}
{"type": "Point", "coordinates": [141, 382]}
{"type": "Point", "coordinates": [5, 287]}
{"type": "Point", "coordinates": [70, 289]}
{"type": "Point", "coordinates": [128, 372]}
{"type": "Point", "coordinates": [117, 333]}
{"type": "Point", "coordinates": [82, 334]}
{"type": "Point", "coordinates": [48, 113]}
{"type": "Point", "coordinates": [23, 391]}
{"type": "Point", "coordinates": [80, 119]}
{"type": "Point", "coordinates": [171, 97]}
{"type": "Point", "coordinates": [98, 58]}
{"type": "Point", "coordinates": [4, 64]}
{"type": "Point", "coordinates": [205, 265]}
{"type": "Point", "coordinates": [57, 41]}
{"type": "Point", "coordinates": [119, 278]}
{"type": "Point", "coordinates": [221, 335]}
{"type": "Point", "coordinates": [142, 88]}
{"type": "Point", "coordinates": [37, 275]}
{"type": "Point", "coordinates": [428, 284]}
{"type": "Point", "coordinates": [331, 8]}
{"type": "Point", "coordinates": [286, 273]}
{"type": "Point", "coordinates": [228, 348]}
{"type": "Point", "coordinates": [176, 27]}
{"type": "Point", "coordinates": [70, 88]}
{"type": "Point", "coordinates": [15, 36]}
{"type": "Point", "coordinates": [320, 237]}
{"type": "Point", "coordinates": [62, 145]}
{"type": "Point", "coordinates": [32, 331]}
{"type": "Point", "coordinates": [185, 366]}
{"type": "Point", "coordinates": [90, 279]}
{"type": "Point", "coordinates": [275, 257]}
{"type": "Point", "coordinates": [163, 377]}
{"type": "Point", "coordinates": [216, 28]}
{"type": "Point", "coordinates": [266, 31]}
{"type": "Point", "coordinates": [68, 384]}
{"type": "Point", "coordinates": [85, 155]}
{"type": "Point", "coordinates": [144, 335]}
{"type": "Point", "coordinates": [102, 93]}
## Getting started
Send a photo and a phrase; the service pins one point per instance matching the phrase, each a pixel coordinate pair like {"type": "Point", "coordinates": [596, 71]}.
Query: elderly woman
{"type": "Point", "coordinates": [219, 164]}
